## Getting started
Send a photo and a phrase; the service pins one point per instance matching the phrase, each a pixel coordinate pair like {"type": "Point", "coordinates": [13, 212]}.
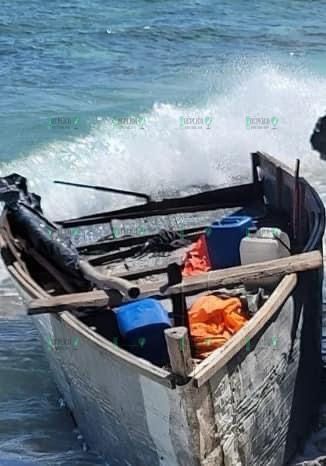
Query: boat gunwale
{"type": "Point", "coordinates": [156, 373]}
{"type": "Point", "coordinates": [318, 229]}
{"type": "Point", "coordinates": [280, 294]}
{"type": "Point", "coordinates": [210, 365]}
{"type": "Point", "coordinates": [221, 356]}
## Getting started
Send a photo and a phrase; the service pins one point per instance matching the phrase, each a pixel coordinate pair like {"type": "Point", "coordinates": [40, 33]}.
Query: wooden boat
{"type": "Point", "coordinates": [237, 406]}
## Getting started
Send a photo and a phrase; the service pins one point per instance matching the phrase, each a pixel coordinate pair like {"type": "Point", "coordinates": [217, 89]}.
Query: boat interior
{"type": "Point", "coordinates": [146, 244]}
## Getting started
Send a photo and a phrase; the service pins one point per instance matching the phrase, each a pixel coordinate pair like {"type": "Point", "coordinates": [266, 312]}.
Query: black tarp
{"type": "Point", "coordinates": [26, 220]}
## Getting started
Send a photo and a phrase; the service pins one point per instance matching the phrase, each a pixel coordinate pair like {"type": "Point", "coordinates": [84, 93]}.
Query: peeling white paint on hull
{"type": "Point", "coordinates": [246, 413]}
{"type": "Point", "coordinates": [121, 413]}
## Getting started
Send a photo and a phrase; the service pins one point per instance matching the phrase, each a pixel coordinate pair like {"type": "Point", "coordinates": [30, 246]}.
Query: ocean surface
{"type": "Point", "coordinates": [154, 96]}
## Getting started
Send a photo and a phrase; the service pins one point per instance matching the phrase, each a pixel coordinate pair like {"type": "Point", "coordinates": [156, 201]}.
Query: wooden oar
{"type": "Point", "coordinates": [105, 189]}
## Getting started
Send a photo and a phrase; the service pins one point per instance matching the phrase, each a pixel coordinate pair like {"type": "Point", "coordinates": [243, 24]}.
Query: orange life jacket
{"type": "Point", "coordinates": [213, 321]}
{"type": "Point", "coordinates": [196, 259]}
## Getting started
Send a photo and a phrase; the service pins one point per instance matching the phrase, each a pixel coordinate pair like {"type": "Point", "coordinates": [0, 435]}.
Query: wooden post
{"type": "Point", "coordinates": [177, 341]}
{"type": "Point", "coordinates": [279, 187]}
{"type": "Point", "coordinates": [296, 206]}
{"type": "Point", "coordinates": [179, 307]}
{"type": "Point", "coordinates": [254, 165]}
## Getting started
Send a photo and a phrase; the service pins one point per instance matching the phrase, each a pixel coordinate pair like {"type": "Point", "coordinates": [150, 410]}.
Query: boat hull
{"type": "Point", "coordinates": [127, 417]}
{"type": "Point", "coordinates": [247, 413]}
{"type": "Point", "coordinates": [252, 402]}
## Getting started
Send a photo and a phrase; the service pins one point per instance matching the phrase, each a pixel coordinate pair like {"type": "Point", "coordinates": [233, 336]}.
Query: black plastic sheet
{"type": "Point", "coordinates": [27, 221]}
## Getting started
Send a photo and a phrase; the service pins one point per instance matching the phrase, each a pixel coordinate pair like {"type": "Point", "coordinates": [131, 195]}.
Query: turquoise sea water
{"type": "Point", "coordinates": [153, 96]}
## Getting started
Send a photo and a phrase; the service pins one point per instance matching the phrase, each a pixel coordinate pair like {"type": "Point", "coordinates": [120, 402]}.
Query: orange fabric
{"type": "Point", "coordinates": [213, 321]}
{"type": "Point", "coordinates": [196, 259]}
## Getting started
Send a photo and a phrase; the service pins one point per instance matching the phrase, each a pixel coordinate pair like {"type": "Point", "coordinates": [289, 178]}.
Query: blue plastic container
{"type": "Point", "coordinates": [223, 240]}
{"type": "Point", "coordinates": [142, 324]}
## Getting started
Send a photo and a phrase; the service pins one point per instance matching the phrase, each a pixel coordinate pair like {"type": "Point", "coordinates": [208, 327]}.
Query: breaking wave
{"type": "Point", "coordinates": [176, 147]}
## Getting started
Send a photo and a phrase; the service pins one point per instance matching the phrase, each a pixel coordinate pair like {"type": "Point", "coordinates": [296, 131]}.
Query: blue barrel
{"type": "Point", "coordinates": [142, 324]}
{"type": "Point", "coordinates": [223, 240]}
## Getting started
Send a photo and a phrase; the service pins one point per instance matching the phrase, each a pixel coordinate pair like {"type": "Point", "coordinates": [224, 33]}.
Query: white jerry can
{"type": "Point", "coordinates": [263, 245]}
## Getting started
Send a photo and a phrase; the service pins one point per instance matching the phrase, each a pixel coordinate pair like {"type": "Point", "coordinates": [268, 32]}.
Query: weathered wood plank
{"type": "Point", "coordinates": [233, 196]}
{"type": "Point", "coordinates": [52, 270]}
{"type": "Point", "coordinates": [57, 304]}
{"type": "Point", "coordinates": [253, 394]}
{"type": "Point", "coordinates": [239, 274]}
{"type": "Point", "coordinates": [19, 275]}
{"type": "Point", "coordinates": [178, 345]}
{"type": "Point", "coordinates": [117, 355]}
{"type": "Point", "coordinates": [223, 355]}
{"type": "Point", "coordinates": [111, 244]}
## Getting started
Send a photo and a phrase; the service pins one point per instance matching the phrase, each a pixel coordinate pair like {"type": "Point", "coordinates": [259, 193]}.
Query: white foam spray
{"type": "Point", "coordinates": [166, 156]}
